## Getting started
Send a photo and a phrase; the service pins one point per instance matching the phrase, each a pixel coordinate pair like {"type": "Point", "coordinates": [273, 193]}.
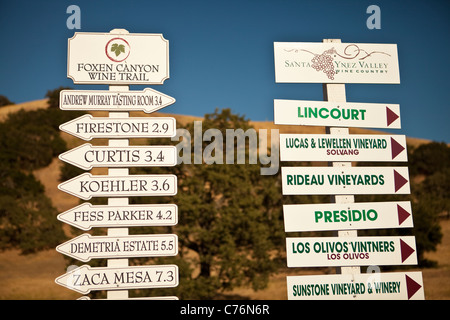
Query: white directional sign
{"type": "Point", "coordinates": [87, 156]}
{"type": "Point", "coordinates": [337, 114]}
{"type": "Point", "coordinates": [326, 147]}
{"type": "Point", "coordinates": [86, 186]}
{"type": "Point", "coordinates": [86, 278]}
{"type": "Point", "coordinates": [148, 100]}
{"type": "Point", "coordinates": [322, 62]}
{"type": "Point", "coordinates": [348, 216]}
{"type": "Point", "coordinates": [364, 286]}
{"type": "Point", "coordinates": [109, 58]}
{"type": "Point", "coordinates": [87, 127]}
{"type": "Point", "coordinates": [86, 216]}
{"type": "Point", "coordinates": [350, 251]}
{"type": "Point", "coordinates": [344, 180]}
{"type": "Point", "coordinates": [86, 247]}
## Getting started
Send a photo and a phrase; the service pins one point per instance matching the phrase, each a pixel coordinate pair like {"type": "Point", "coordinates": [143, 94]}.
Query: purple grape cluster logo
{"type": "Point", "coordinates": [324, 61]}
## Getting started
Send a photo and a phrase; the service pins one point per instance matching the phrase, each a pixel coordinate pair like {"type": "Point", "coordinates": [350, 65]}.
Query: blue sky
{"type": "Point", "coordinates": [221, 52]}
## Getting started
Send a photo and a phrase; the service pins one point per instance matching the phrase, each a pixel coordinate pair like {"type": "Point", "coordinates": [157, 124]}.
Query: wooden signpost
{"type": "Point", "coordinates": [119, 59]}
{"type": "Point", "coordinates": [333, 64]}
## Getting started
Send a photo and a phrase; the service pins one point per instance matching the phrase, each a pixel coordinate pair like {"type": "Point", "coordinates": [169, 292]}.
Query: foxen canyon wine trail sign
{"type": "Point", "coordinates": [333, 64]}
{"type": "Point", "coordinates": [119, 59]}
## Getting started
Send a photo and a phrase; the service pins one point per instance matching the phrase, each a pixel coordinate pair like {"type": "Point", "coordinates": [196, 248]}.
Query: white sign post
{"type": "Point", "coordinates": [337, 114]}
{"type": "Point", "coordinates": [345, 180]}
{"type": "Point", "coordinates": [350, 251]}
{"type": "Point", "coordinates": [325, 147]}
{"type": "Point", "coordinates": [347, 216]}
{"type": "Point", "coordinates": [87, 216]}
{"type": "Point", "coordinates": [87, 127]}
{"type": "Point", "coordinates": [119, 59]}
{"type": "Point", "coordinates": [86, 247]}
{"type": "Point", "coordinates": [86, 279]}
{"type": "Point", "coordinates": [378, 286]}
{"type": "Point", "coordinates": [148, 100]}
{"type": "Point", "coordinates": [87, 156]}
{"type": "Point", "coordinates": [86, 186]}
{"type": "Point", "coordinates": [333, 64]}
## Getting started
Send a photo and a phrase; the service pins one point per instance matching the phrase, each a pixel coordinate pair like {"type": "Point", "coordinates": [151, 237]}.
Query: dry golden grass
{"type": "Point", "coordinates": [29, 106]}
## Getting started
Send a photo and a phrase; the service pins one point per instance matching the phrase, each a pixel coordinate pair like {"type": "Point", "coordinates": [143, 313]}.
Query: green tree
{"type": "Point", "coordinates": [29, 140]}
{"type": "Point", "coordinates": [27, 217]}
{"type": "Point", "coordinates": [429, 158]}
{"type": "Point", "coordinates": [4, 101]}
{"type": "Point", "coordinates": [53, 97]}
{"type": "Point", "coordinates": [230, 225]}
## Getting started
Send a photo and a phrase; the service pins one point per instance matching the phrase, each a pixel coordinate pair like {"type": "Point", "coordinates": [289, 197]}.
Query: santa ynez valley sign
{"type": "Point", "coordinates": [118, 58]}
{"type": "Point", "coordinates": [336, 62]}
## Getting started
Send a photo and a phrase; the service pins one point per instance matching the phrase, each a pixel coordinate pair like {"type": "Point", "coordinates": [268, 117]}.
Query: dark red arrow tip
{"type": "Point", "coordinates": [391, 116]}
{"type": "Point", "coordinates": [396, 148]}
{"type": "Point", "coordinates": [411, 286]}
{"type": "Point", "coordinates": [405, 250]}
{"type": "Point", "coordinates": [402, 214]}
{"type": "Point", "coordinates": [399, 181]}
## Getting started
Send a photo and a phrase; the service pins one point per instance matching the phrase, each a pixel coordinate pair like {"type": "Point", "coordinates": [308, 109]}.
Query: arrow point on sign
{"type": "Point", "coordinates": [402, 214]}
{"type": "Point", "coordinates": [64, 248]}
{"type": "Point", "coordinates": [71, 186]}
{"type": "Point", "coordinates": [405, 250]}
{"type": "Point", "coordinates": [411, 286]}
{"type": "Point", "coordinates": [391, 116]}
{"type": "Point", "coordinates": [399, 181]}
{"type": "Point", "coordinates": [396, 148]}
{"type": "Point", "coordinates": [66, 280]}
{"type": "Point", "coordinates": [73, 156]}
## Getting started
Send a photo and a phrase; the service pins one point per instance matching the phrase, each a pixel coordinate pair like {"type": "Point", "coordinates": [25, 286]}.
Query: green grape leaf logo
{"type": "Point", "coordinates": [117, 49]}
